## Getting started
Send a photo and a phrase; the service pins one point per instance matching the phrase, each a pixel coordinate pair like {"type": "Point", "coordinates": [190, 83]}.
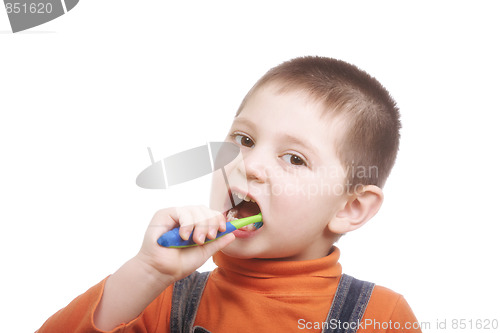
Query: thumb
{"type": "Point", "coordinates": [207, 250]}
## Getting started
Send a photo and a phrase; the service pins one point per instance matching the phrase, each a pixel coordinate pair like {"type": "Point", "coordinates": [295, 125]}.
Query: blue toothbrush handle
{"type": "Point", "coordinates": [173, 240]}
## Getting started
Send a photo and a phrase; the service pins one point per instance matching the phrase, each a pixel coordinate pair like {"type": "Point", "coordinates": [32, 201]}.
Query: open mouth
{"type": "Point", "coordinates": [245, 206]}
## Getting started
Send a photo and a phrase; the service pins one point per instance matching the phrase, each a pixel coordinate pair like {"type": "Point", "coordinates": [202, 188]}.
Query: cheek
{"type": "Point", "coordinates": [294, 190]}
{"type": "Point", "coordinates": [218, 192]}
{"type": "Point", "coordinates": [306, 199]}
{"type": "Point", "coordinates": [292, 199]}
{"type": "Point", "coordinates": [223, 180]}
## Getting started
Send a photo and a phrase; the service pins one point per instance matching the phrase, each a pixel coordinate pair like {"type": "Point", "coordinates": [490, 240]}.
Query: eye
{"type": "Point", "coordinates": [294, 159]}
{"type": "Point", "coordinates": [243, 140]}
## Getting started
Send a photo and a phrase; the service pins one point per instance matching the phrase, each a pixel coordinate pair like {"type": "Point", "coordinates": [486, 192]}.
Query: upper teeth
{"type": "Point", "coordinates": [242, 197]}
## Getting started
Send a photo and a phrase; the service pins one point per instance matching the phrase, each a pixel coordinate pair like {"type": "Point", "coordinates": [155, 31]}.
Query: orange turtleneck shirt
{"type": "Point", "coordinates": [260, 295]}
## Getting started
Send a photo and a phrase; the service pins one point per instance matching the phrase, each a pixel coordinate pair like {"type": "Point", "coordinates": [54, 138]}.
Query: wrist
{"type": "Point", "coordinates": [128, 292]}
{"type": "Point", "coordinates": [143, 263]}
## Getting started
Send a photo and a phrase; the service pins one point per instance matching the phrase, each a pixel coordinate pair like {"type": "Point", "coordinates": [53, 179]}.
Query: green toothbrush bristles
{"type": "Point", "coordinates": [255, 219]}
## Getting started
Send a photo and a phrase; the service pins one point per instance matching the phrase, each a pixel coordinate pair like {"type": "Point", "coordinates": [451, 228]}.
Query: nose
{"type": "Point", "coordinates": [256, 163]}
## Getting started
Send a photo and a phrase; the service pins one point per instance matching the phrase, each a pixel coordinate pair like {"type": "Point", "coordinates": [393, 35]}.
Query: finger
{"type": "Point", "coordinates": [209, 249]}
{"type": "Point", "coordinates": [213, 224]}
{"type": "Point", "coordinates": [186, 222]}
{"type": "Point", "coordinates": [162, 221]}
{"type": "Point", "coordinates": [213, 220]}
{"type": "Point", "coordinates": [202, 218]}
{"type": "Point", "coordinates": [222, 223]}
{"type": "Point", "coordinates": [218, 244]}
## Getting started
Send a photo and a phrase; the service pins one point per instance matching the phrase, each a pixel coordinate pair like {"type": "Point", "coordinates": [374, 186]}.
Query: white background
{"type": "Point", "coordinates": [83, 96]}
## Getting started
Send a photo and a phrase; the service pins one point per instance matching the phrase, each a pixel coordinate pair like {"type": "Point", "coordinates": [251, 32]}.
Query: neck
{"type": "Point", "coordinates": [274, 275]}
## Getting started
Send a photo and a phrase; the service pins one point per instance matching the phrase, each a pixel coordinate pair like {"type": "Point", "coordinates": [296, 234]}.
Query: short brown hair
{"type": "Point", "coordinates": [371, 134]}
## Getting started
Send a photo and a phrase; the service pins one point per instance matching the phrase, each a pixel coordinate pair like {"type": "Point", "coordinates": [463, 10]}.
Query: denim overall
{"type": "Point", "coordinates": [348, 306]}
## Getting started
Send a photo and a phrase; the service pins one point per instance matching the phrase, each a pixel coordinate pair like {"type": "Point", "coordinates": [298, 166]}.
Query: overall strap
{"type": "Point", "coordinates": [185, 300]}
{"type": "Point", "coordinates": [348, 305]}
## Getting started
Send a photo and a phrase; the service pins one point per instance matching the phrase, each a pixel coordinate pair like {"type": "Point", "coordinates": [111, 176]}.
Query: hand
{"type": "Point", "coordinates": [175, 264]}
{"type": "Point", "coordinates": [140, 280]}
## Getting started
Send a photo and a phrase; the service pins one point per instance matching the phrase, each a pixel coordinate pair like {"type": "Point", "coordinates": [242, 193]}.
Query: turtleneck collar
{"type": "Point", "coordinates": [268, 275]}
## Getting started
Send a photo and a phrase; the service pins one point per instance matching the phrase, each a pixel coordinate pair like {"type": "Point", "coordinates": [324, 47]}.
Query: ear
{"type": "Point", "coordinates": [359, 208]}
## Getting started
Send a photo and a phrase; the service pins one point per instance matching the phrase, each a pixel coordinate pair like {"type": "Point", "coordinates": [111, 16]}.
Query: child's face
{"type": "Point", "coordinates": [291, 170]}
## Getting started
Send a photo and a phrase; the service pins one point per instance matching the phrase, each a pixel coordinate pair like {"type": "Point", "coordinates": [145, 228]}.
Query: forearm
{"type": "Point", "coordinates": [143, 278]}
{"type": "Point", "coordinates": [127, 293]}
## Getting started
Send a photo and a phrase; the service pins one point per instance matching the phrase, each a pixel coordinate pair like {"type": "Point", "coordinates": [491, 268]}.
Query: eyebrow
{"type": "Point", "coordinates": [245, 121]}
{"type": "Point", "coordinates": [301, 142]}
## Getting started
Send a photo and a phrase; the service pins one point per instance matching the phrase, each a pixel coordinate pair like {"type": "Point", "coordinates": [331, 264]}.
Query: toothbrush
{"type": "Point", "coordinates": [173, 240]}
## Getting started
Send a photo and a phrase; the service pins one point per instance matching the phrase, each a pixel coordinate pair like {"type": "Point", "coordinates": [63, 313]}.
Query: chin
{"type": "Point", "coordinates": [240, 252]}
{"type": "Point", "coordinates": [237, 255]}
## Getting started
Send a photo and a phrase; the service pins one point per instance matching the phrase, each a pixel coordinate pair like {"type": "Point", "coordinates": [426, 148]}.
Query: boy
{"type": "Point", "coordinates": [318, 138]}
